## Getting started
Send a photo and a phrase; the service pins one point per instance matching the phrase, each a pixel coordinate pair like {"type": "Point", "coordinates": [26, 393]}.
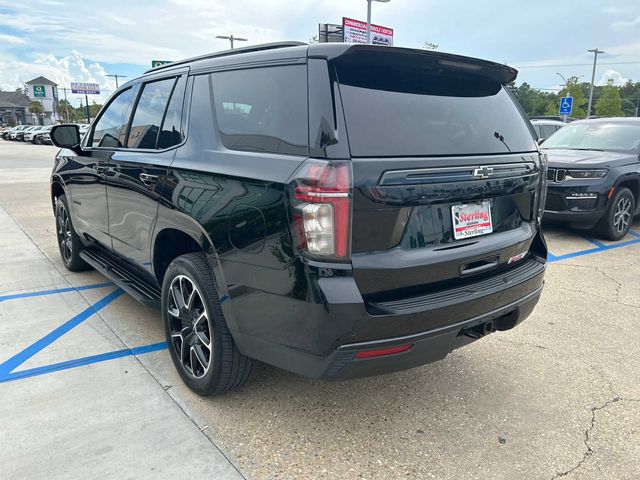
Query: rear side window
{"type": "Point", "coordinates": [149, 113]}
{"type": "Point", "coordinates": [409, 112]}
{"type": "Point", "coordinates": [263, 109]}
{"type": "Point", "coordinates": [171, 130]}
{"type": "Point", "coordinates": [547, 130]}
{"type": "Point", "coordinates": [111, 126]}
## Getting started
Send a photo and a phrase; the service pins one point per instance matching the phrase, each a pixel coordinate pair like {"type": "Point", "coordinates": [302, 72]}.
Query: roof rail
{"type": "Point", "coordinates": [224, 53]}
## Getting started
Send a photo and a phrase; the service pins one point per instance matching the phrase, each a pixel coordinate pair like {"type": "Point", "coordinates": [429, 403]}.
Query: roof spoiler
{"type": "Point", "coordinates": [415, 58]}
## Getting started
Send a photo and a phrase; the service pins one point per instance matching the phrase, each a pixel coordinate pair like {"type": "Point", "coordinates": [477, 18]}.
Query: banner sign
{"type": "Point", "coordinates": [355, 31]}
{"type": "Point", "coordinates": [85, 88]}
{"type": "Point", "coordinates": [38, 91]}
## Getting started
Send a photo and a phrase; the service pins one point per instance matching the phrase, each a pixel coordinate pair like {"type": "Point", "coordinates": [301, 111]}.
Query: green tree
{"type": "Point", "coordinates": [66, 110]}
{"type": "Point", "coordinates": [95, 109]}
{"type": "Point", "coordinates": [430, 46]}
{"type": "Point", "coordinates": [575, 90]}
{"type": "Point", "coordinates": [534, 101]}
{"type": "Point", "coordinates": [610, 103]}
{"type": "Point", "coordinates": [36, 108]}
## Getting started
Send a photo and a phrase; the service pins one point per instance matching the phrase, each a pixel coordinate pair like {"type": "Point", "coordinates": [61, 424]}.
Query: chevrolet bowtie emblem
{"type": "Point", "coordinates": [483, 172]}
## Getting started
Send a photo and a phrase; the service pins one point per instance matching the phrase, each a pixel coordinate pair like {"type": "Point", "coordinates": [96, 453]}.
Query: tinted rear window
{"type": "Point", "coordinates": [263, 109]}
{"type": "Point", "coordinates": [411, 113]}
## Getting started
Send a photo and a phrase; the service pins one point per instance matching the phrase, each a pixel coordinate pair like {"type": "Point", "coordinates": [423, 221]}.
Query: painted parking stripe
{"type": "Point", "coordinates": [53, 292]}
{"type": "Point", "coordinates": [14, 362]}
{"type": "Point", "coordinates": [601, 248]}
{"type": "Point", "coordinates": [80, 362]}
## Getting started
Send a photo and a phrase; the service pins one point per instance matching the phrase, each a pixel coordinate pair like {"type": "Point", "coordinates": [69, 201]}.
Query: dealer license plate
{"type": "Point", "coordinates": [471, 220]}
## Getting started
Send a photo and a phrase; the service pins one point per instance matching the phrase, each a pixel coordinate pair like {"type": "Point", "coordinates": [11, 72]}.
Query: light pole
{"type": "Point", "coordinates": [369, 17]}
{"type": "Point", "coordinates": [116, 76]}
{"type": "Point", "coordinates": [595, 52]}
{"type": "Point", "coordinates": [231, 39]}
{"type": "Point", "coordinates": [563, 79]}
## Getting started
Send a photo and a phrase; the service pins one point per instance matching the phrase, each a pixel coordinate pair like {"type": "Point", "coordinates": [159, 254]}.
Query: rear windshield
{"type": "Point", "coordinates": [412, 113]}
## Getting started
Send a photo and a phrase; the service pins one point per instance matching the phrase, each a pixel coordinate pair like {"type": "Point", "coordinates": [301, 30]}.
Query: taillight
{"type": "Point", "coordinates": [321, 195]}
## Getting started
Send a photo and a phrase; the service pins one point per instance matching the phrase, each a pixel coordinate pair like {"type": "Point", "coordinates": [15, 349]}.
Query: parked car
{"type": "Point", "coordinates": [594, 175]}
{"type": "Point", "coordinates": [20, 134]}
{"type": "Point", "coordinates": [39, 136]}
{"type": "Point", "coordinates": [29, 133]}
{"type": "Point", "coordinates": [45, 138]}
{"type": "Point", "coordinates": [335, 210]}
{"type": "Point", "coordinates": [545, 128]}
{"type": "Point", "coordinates": [14, 132]}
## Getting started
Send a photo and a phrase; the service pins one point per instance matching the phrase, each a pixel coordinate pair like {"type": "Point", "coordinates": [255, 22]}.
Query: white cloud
{"type": "Point", "coordinates": [61, 70]}
{"type": "Point", "coordinates": [624, 24]}
{"type": "Point", "coordinates": [12, 39]}
{"type": "Point", "coordinates": [611, 74]}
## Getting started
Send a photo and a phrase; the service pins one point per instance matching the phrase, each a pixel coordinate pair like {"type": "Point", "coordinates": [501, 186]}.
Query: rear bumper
{"type": "Point", "coordinates": [426, 347]}
{"type": "Point", "coordinates": [323, 341]}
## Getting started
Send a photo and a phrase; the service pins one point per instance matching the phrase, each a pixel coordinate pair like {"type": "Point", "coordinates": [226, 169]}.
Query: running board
{"type": "Point", "coordinates": [131, 283]}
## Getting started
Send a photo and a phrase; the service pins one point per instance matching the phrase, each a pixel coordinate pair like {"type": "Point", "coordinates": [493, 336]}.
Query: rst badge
{"type": "Point", "coordinates": [471, 220]}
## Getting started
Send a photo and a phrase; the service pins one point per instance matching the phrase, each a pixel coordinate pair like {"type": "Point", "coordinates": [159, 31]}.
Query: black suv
{"type": "Point", "coordinates": [594, 175]}
{"type": "Point", "coordinates": [334, 210]}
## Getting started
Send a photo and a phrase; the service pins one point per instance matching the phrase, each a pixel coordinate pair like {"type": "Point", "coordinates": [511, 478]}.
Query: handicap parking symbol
{"type": "Point", "coordinates": [566, 105]}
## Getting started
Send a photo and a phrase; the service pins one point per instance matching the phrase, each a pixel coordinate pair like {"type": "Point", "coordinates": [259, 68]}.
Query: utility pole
{"type": "Point", "coordinates": [86, 99]}
{"type": "Point", "coordinates": [66, 102]}
{"type": "Point", "coordinates": [231, 39]}
{"type": "Point", "coordinates": [595, 52]}
{"type": "Point", "coordinates": [116, 76]}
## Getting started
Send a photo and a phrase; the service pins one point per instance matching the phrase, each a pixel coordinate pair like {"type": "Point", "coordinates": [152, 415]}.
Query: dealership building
{"type": "Point", "coordinates": [14, 106]}
{"type": "Point", "coordinates": [45, 91]}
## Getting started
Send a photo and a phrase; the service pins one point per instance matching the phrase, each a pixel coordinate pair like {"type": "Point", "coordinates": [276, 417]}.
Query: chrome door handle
{"type": "Point", "coordinates": [148, 179]}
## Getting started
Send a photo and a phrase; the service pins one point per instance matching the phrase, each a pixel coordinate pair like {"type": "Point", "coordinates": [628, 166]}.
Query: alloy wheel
{"type": "Point", "coordinates": [190, 326]}
{"type": "Point", "coordinates": [622, 215]}
{"type": "Point", "coordinates": [64, 233]}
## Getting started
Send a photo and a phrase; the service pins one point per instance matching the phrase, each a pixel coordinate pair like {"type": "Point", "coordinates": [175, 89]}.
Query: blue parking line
{"type": "Point", "coordinates": [595, 242]}
{"type": "Point", "coordinates": [53, 292]}
{"type": "Point", "coordinates": [80, 362]}
{"type": "Point", "coordinates": [634, 234]}
{"type": "Point", "coordinates": [14, 362]}
{"type": "Point", "coordinates": [601, 248]}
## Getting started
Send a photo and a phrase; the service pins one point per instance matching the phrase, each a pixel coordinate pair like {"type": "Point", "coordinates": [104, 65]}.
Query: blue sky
{"type": "Point", "coordinates": [85, 40]}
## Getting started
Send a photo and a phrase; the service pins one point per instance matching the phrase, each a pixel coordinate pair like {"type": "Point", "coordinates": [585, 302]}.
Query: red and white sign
{"type": "Point", "coordinates": [470, 220]}
{"type": "Point", "coordinates": [355, 31]}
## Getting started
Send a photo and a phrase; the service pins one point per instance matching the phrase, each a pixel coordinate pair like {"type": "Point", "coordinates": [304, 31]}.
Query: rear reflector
{"type": "Point", "coordinates": [384, 351]}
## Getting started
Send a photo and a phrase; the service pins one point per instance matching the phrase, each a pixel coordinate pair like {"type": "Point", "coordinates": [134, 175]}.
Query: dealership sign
{"type": "Point", "coordinates": [38, 91]}
{"type": "Point", "coordinates": [159, 63]}
{"type": "Point", "coordinates": [355, 31]}
{"type": "Point", "coordinates": [85, 88]}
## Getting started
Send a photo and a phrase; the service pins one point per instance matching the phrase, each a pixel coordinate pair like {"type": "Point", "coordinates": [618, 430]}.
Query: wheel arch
{"type": "Point", "coordinates": [177, 234]}
{"type": "Point", "coordinates": [57, 189]}
{"type": "Point", "coordinates": [633, 184]}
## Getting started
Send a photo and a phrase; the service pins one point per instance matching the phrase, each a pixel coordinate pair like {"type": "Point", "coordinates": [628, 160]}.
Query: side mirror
{"type": "Point", "coordinates": [65, 136]}
{"type": "Point", "coordinates": [540, 140]}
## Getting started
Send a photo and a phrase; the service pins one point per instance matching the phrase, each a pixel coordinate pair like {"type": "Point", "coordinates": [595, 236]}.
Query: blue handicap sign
{"type": "Point", "coordinates": [566, 104]}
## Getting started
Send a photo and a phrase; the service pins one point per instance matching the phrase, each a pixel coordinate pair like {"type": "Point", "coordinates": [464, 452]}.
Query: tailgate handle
{"type": "Point", "coordinates": [478, 266]}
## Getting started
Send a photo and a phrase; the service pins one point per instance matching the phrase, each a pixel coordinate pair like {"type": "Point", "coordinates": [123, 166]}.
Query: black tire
{"type": "Point", "coordinates": [226, 368]}
{"type": "Point", "coordinates": [68, 241]}
{"type": "Point", "coordinates": [615, 223]}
